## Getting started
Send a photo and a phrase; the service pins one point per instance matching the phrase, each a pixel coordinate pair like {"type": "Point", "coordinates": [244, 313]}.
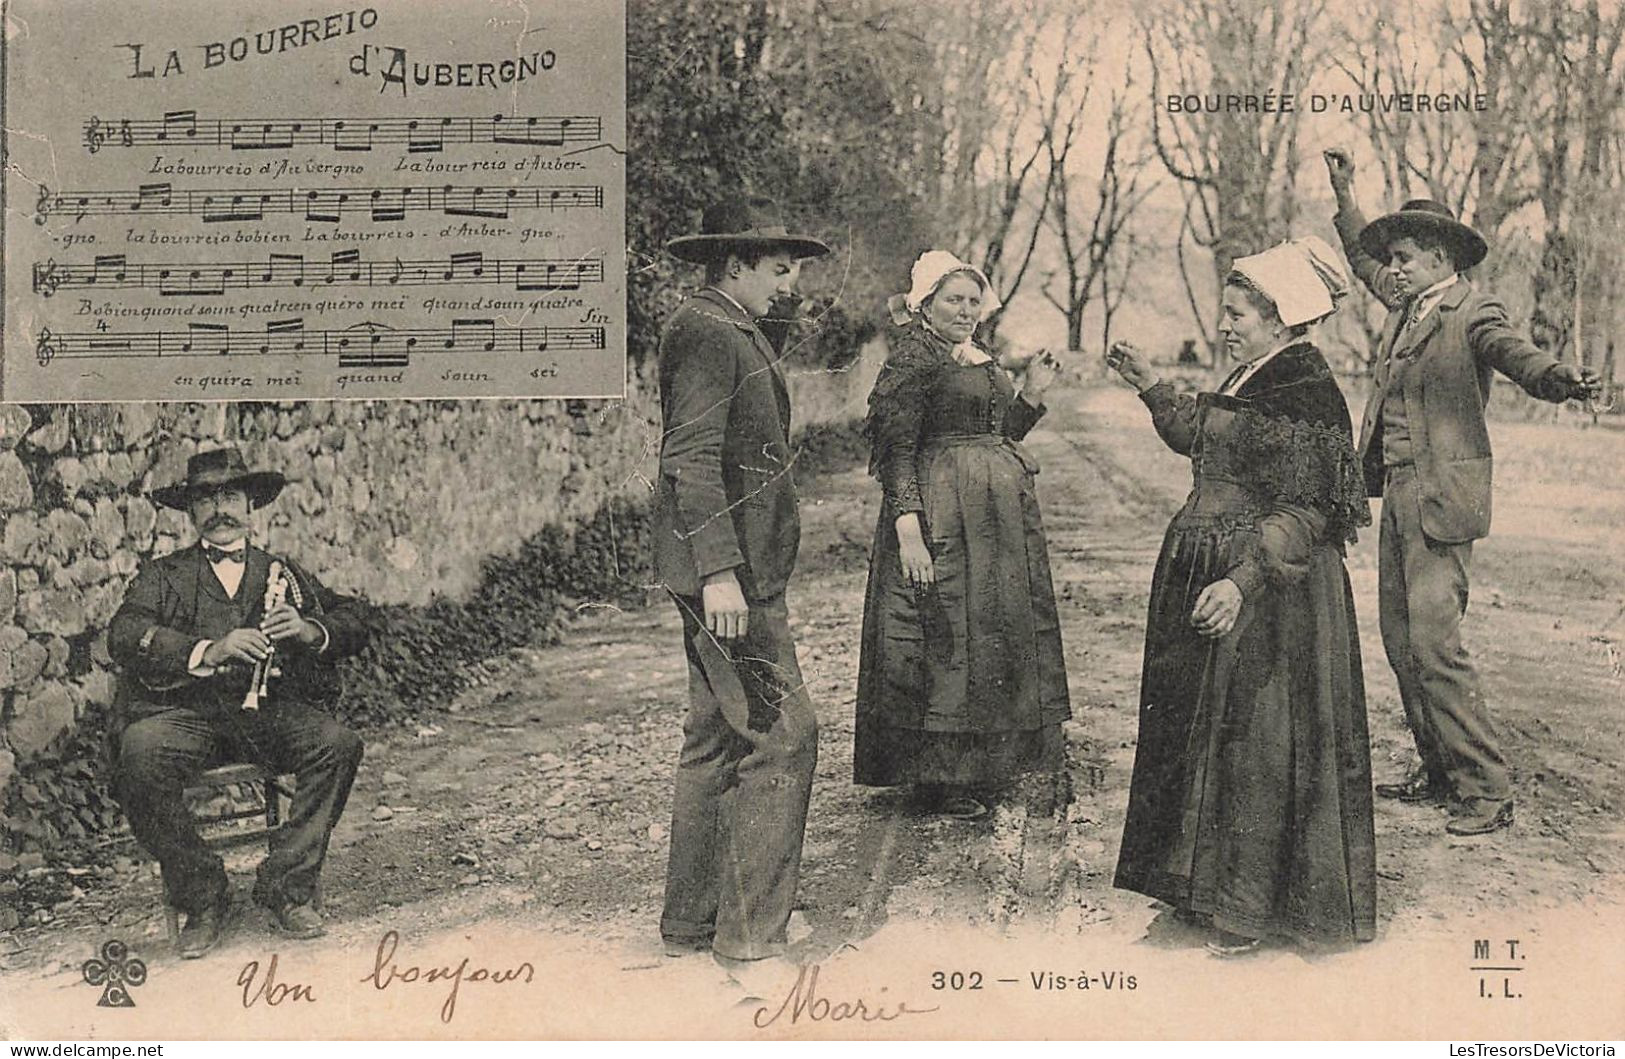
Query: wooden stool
{"type": "Point", "coordinates": [272, 790]}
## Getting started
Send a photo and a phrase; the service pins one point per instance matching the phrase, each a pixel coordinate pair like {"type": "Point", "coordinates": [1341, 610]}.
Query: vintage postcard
{"type": "Point", "coordinates": [772, 519]}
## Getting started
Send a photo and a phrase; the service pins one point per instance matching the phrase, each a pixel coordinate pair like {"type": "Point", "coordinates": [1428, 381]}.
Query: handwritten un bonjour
{"type": "Point", "coordinates": [385, 973]}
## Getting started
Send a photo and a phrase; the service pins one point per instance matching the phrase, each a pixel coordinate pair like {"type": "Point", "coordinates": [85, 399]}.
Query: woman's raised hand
{"type": "Point", "coordinates": [1134, 366]}
{"type": "Point", "coordinates": [916, 557]}
{"type": "Point", "coordinates": [1041, 372]}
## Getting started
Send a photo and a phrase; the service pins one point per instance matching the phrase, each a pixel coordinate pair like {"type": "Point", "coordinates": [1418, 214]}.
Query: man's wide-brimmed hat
{"type": "Point", "coordinates": [743, 224]}
{"type": "Point", "coordinates": [219, 468]}
{"type": "Point", "coordinates": [1467, 247]}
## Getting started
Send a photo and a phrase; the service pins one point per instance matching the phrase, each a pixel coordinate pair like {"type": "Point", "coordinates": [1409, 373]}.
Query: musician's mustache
{"type": "Point", "coordinates": [222, 521]}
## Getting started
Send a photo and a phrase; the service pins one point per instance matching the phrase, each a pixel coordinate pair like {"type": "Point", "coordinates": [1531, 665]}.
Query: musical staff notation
{"type": "Point", "coordinates": [363, 345]}
{"type": "Point", "coordinates": [344, 268]}
{"type": "Point", "coordinates": [220, 205]}
{"type": "Point", "coordinates": [418, 134]}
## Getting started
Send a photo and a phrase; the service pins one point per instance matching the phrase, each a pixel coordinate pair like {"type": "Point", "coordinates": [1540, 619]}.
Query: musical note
{"type": "Point", "coordinates": [260, 137]}
{"type": "Point", "coordinates": [112, 263]}
{"type": "Point", "coordinates": [349, 258]}
{"type": "Point", "coordinates": [473, 263]}
{"type": "Point", "coordinates": [486, 327]}
{"type": "Point", "coordinates": [295, 327]}
{"type": "Point", "coordinates": [44, 351]}
{"type": "Point", "coordinates": [237, 208]}
{"type": "Point", "coordinates": [213, 339]}
{"type": "Point", "coordinates": [389, 204]}
{"type": "Point", "coordinates": [155, 195]}
{"type": "Point", "coordinates": [183, 122]}
{"type": "Point", "coordinates": [345, 137]}
{"type": "Point", "coordinates": [426, 142]}
{"type": "Point", "coordinates": [281, 270]}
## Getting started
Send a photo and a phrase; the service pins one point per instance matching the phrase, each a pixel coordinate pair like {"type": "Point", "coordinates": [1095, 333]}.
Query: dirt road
{"type": "Point", "coordinates": [539, 806]}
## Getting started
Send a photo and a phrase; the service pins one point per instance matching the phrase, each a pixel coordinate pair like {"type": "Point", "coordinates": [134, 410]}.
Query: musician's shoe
{"type": "Point", "coordinates": [298, 921]}
{"type": "Point", "coordinates": [203, 928]}
{"type": "Point", "coordinates": [1419, 786]}
{"type": "Point", "coordinates": [1480, 816]}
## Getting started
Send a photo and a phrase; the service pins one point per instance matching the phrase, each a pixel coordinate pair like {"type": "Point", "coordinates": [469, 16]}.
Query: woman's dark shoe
{"type": "Point", "coordinates": [1227, 945]}
{"type": "Point", "coordinates": [962, 807]}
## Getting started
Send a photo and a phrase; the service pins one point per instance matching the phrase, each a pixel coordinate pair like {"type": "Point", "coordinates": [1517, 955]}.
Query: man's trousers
{"type": "Point", "coordinates": [159, 755]}
{"type": "Point", "coordinates": [1422, 596]}
{"type": "Point", "coordinates": [750, 745]}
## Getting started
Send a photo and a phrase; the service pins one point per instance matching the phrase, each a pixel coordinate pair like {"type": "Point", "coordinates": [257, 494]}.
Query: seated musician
{"type": "Point", "coordinates": [227, 654]}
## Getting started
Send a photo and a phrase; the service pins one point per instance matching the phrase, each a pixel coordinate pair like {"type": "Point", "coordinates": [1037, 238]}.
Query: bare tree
{"type": "Point", "coordinates": [1091, 222]}
{"type": "Point", "coordinates": [1235, 158]}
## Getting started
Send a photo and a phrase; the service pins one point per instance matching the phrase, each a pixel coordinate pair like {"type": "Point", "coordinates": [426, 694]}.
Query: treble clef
{"type": "Point", "coordinates": [44, 351]}
{"type": "Point", "coordinates": [42, 208]}
{"type": "Point", "coordinates": [46, 277]}
{"type": "Point", "coordinates": [94, 136]}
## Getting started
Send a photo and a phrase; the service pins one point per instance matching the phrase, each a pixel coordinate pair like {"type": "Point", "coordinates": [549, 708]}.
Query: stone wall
{"type": "Point", "coordinates": [400, 502]}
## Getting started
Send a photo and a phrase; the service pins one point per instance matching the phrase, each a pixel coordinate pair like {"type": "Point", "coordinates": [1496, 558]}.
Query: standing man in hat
{"type": "Point", "coordinates": [193, 627]}
{"type": "Point", "coordinates": [727, 529]}
{"type": "Point", "coordinates": [1426, 451]}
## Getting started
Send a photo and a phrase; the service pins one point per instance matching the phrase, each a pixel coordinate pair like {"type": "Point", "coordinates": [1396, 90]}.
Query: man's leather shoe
{"type": "Point", "coordinates": [203, 929]}
{"type": "Point", "coordinates": [1480, 816]}
{"type": "Point", "coordinates": [298, 921]}
{"type": "Point", "coordinates": [1417, 787]}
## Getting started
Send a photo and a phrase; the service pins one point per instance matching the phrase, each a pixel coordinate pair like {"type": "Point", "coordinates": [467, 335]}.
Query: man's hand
{"type": "Point", "coordinates": [238, 645]}
{"type": "Point", "coordinates": [1340, 168]}
{"type": "Point", "coordinates": [283, 622]}
{"type": "Point", "coordinates": [916, 557]}
{"type": "Point", "coordinates": [1580, 383]}
{"type": "Point", "coordinates": [1217, 608]}
{"type": "Point", "coordinates": [727, 614]}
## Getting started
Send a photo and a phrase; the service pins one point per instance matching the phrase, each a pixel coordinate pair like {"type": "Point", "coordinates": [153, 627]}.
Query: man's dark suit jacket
{"type": "Point", "coordinates": [1442, 371]}
{"type": "Point", "coordinates": [177, 600]}
{"type": "Point", "coordinates": [726, 497]}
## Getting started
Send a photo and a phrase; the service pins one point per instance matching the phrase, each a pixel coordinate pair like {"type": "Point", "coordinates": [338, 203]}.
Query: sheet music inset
{"type": "Point", "coordinates": [224, 201]}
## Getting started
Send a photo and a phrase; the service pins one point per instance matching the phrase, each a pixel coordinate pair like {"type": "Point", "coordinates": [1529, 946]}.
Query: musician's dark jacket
{"type": "Point", "coordinates": [176, 601]}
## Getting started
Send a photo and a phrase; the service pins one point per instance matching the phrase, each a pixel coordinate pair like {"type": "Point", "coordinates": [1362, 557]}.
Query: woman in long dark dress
{"type": "Point", "coordinates": [1250, 806]}
{"type": "Point", "coordinates": [961, 684]}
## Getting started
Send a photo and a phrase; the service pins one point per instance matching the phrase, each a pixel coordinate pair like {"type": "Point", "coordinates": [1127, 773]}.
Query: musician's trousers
{"type": "Point", "coordinates": [743, 782]}
{"type": "Point", "coordinates": [161, 754]}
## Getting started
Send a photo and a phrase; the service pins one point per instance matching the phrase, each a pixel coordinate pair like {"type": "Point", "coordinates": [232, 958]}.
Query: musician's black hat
{"type": "Point", "coordinates": [217, 468]}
